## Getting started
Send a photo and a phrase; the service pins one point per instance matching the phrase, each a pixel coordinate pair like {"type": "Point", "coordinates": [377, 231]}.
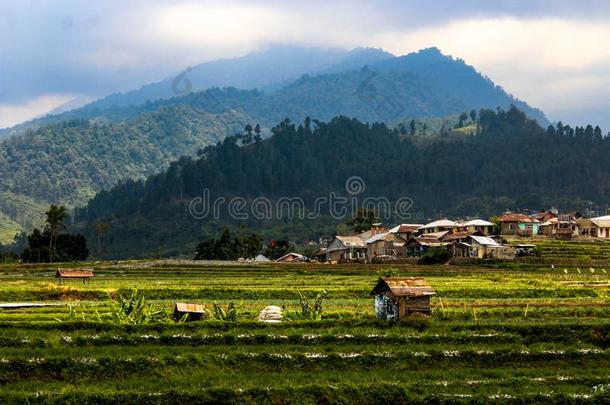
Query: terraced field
{"type": "Point", "coordinates": [515, 333]}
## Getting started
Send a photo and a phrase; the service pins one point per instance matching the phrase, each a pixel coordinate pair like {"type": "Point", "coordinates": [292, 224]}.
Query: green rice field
{"type": "Point", "coordinates": [505, 333]}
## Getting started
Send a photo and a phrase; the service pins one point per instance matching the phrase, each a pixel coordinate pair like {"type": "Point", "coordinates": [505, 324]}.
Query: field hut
{"type": "Point", "coordinates": [292, 258]}
{"type": "Point", "coordinates": [193, 312]}
{"type": "Point", "coordinates": [80, 274]}
{"type": "Point", "coordinates": [397, 297]}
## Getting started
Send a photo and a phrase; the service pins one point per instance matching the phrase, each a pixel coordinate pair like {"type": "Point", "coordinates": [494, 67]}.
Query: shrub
{"type": "Point", "coordinates": [133, 310]}
{"type": "Point", "coordinates": [229, 314]}
{"type": "Point", "coordinates": [308, 311]}
{"type": "Point", "coordinates": [435, 256]}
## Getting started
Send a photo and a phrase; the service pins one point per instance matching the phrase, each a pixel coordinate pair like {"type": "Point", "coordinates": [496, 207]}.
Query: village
{"type": "Point", "coordinates": [509, 236]}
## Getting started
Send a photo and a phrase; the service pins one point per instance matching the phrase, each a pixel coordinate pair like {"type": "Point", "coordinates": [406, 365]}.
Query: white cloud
{"type": "Point", "coordinates": [552, 54]}
{"type": "Point", "coordinates": [546, 62]}
{"type": "Point", "coordinates": [12, 114]}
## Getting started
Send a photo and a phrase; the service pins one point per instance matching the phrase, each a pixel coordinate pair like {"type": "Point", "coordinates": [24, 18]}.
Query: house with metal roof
{"type": "Point", "coordinates": [518, 224]}
{"type": "Point", "coordinates": [478, 225]}
{"type": "Point", "coordinates": [598, 227]}
{"type": "Point", "coordinates": [344, 249]}
{"type": "Point", "coordinates": [439, 225]}
{"type": "Point", "coordinates": [384, 244]}
{"type": "Point", "coordinates": [397, 297]}
{"type": "Point", "coordinates": [479, 246]}
{"type": "Point", "coordinates": [405, 231]}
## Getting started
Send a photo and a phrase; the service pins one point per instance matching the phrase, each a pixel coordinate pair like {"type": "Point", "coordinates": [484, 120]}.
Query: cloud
{"type": "Point", "coordinates": [551, 53]}
{"type": "Point", "coordinates": [12, 114]}
{"type": "Point", "coordinates": [548, 62]}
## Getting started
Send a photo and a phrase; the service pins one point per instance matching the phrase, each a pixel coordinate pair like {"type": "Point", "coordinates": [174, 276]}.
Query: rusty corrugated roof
{"type": "Point", "coordinates": [404, 286]}
{"type": "Point", "coordinates": [513, 217]}
{"type": "Point", "coordinates": [77, 273]}
{"type": "Point", "coordinates": [193, 308]}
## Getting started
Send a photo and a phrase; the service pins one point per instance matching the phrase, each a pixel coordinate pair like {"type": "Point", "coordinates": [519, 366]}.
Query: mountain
{"type": "Point", "coordinates": [69, 162]}
{"type": "Point", "coordinates": [262, 69]}
{"type": "Point", "coordinates": [67, 158]}
{"type": "Point", "coordinates": [368, 84]}
{"type": "Point", "coordinates": [481, 174]}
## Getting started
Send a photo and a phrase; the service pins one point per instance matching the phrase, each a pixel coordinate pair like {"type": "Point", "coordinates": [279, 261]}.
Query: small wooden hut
{"type": "Point", "coordinates": [83, 273]}
{"type": "Point", "coordinates": [397, 297]}
{"type": "Point", "coordinates": [194, 312]}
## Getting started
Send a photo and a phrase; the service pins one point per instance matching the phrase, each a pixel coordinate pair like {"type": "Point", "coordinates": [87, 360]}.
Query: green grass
{"type": "Point", "coordinates": [522, 333]}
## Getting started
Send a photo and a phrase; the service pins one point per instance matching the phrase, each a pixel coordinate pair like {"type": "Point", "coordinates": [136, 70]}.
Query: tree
{"type": "Point", "coordinates": [363, 221]}
{"type": "Point", "coordinates": [473, 115]}
{"type": "Point", "coordinates": [68, 247]}
{"type": "Point", "coordinates": [277, 249]}
{"type": "Point", "coordinates": [56, 216]}
{"type": "Point", "coordinates": [100, 229]}
{"type": "Point", "coordinates": [257, 132]}
{"type": "Point", "coordinates": [412, 127]}
{"type": "Point", "coordinates": [463, 118]}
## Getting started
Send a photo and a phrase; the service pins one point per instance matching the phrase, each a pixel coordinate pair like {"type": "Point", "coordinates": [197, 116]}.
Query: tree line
{"type": "Point", "coordinates": [511, 163]}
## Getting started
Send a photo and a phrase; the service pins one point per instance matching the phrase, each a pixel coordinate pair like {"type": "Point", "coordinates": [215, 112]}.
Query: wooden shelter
{"type": "Point", "coordinates": [84, 274]}
{"type": "Point", "coordinates": [397, 297]}
{"type": "Point", "coordinates": [194, 312]}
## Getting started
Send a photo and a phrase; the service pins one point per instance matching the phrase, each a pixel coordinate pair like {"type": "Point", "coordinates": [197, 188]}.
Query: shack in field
{"type": "Point", "coordinates": [397, 297]}
{"type": "Point", "coordinates": [191, 312]}
{"type": "Point", "coordinates": [79, 274]}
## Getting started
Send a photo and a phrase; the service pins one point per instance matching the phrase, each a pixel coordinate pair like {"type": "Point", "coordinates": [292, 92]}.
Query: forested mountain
{"type": "Point", "coordinates": [511, 163]}
{"type": "Point", "coordinates": [268, 68]}
{"type": "Point", "coordinates": [365, 84]}
{"type": "Point", "coordinates": [71, 161]}
{"type": "Point", "coordinates": [77, 153]}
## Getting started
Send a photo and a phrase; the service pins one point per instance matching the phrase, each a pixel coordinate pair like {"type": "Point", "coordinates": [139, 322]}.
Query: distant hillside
{"type": "Point", "coordinates": [70, 156]}
{"type": "Point", "coordinates": [69, 162]}
{"type": "Point", "coordinates": [477, 175]}
{"type": "Point", "coordinates": [367, 84]}
{"type": "Point", "coordinates": [257, 70]}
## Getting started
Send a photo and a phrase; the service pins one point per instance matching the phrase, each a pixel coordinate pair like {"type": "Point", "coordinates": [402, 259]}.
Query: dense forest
{"type": "Point", "coordinates": [75, 154]}
{"type": "Point", "coordinates": [510, 163]}
{"type": "Point", "coordinates": [69, 162]}
{"type": "Point", "coordinates": [381, 89]}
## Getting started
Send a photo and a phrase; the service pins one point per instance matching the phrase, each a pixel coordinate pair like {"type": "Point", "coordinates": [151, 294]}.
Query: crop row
{"type": "Point", "coordinates": [49, 368]}
{"type": "Point", "coordinates": [312, 394]}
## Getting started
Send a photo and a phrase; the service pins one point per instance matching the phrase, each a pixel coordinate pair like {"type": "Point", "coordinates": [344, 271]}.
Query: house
{"type": "Point", "coordinates": [343, 249]}
{"type": "Point", "coordinates": [548, 227]}
{"type": "Point", "coordinates": [482, 247]}
{"type": "Point", "coordinates": [598, 227]}
{"type": "Point", "coordinates": [416, 246]}
{"type": "Point", "coordinates": [478, 225]}
{"type": "Point", "coordinates": [384, 244]}
{"type": "Point", "coordinates": [82, 274]}
{"type": "Point", "coordinates": [544, 215]}
{"type": "Point", "coordinates": [518, 224]}
{"type": "Point", "coordinates": [189, 312]}
{"type": "Point", "coordinates": [405, 231]}
{"type": "Point", "coordinates": [292, 258]}
{"type": "Point", "coordinates": [397, 297]}
{"type": "Point", "coordinates": [438, 226]}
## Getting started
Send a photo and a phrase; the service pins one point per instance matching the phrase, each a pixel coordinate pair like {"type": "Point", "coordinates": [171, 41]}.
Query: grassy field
{"type": "Point", "coordinates": [511, 333]}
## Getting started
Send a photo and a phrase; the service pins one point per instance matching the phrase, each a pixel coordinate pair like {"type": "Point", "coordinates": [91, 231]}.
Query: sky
{"type": "Point", "coordinates": [554, 54]}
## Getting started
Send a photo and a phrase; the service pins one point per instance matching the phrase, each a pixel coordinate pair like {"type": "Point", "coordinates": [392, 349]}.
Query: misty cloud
{"type": "Point", "coordinates": [549, 53]}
